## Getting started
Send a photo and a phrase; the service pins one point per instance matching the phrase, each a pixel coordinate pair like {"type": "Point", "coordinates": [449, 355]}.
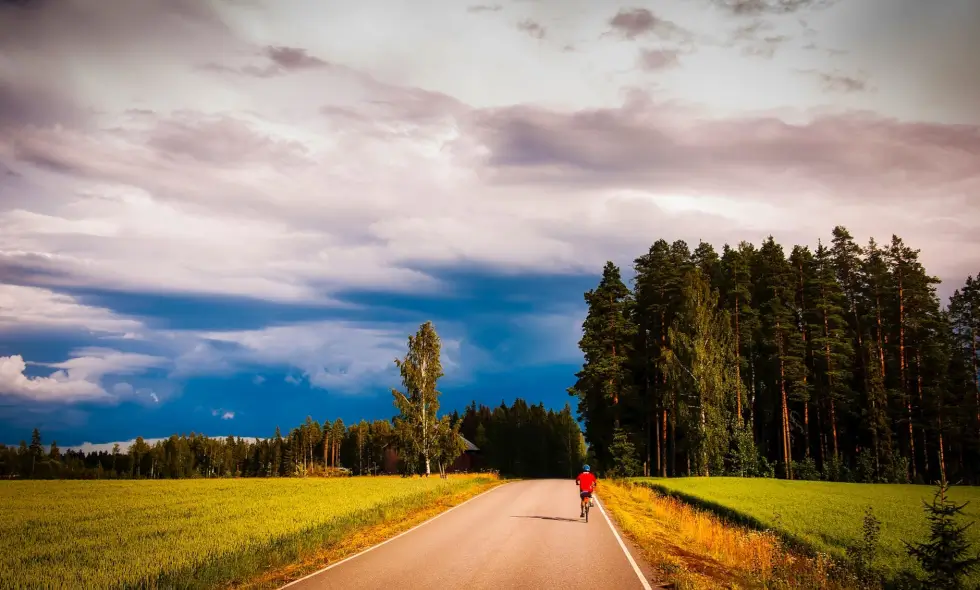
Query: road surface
{"type": "Point", "coordinates": [523, 534]}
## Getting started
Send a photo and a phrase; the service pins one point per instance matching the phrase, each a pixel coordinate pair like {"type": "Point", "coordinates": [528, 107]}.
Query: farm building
{"type": "Point", "coordinates": [469, 460]}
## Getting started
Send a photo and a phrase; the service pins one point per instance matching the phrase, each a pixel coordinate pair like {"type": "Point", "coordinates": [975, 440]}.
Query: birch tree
{"type": "Point", "coordinates": [418, 404]}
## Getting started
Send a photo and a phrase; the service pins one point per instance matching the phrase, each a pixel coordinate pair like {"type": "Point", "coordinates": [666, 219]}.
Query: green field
{"type": "Point", "coordinates": [825, 516]}
{"type": "Point", "coordinates": [187, 533]}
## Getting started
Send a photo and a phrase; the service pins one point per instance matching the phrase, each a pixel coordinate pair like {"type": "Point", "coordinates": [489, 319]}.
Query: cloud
{"type": "Point", "coordinates": [645, 145]}
{"type": "Point", "coordinates": [837, 82]}
{"type": "Point", "coordinates": [154, 397]}
{"type": "Point", "coordinates": [532, 28]}
{"type": "Point", "coordinates": [58, 387]}
{"type": "Point", "coordinates": [637, 22]}
{"type": "Point", "coordinates": [258, 380]}
{"type": "Point", "coordinates": [147, 173]}
{"type": "Point", "coordinates": [484, 8]}
{"type": "Point", "coordinates": [122, 388]}
{"type": "Point", "coordinates": [333, 355]}
{"type": "Point", "coordinates": [653, 60]}
{"type": "Point", "coordinates": [34, 308]}
{"type": "Point", "coordinates": [281, 61]}
{"type": "Point", "coordinates": [228, 416]}
{"type": "Point", "coordinates": [759, 7]}
{"type": "Point", "coordinates": [76, 379]}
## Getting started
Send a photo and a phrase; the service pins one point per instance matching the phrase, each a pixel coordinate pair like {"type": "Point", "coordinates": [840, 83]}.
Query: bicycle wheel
{"type": "Point", "coordinates": [587, 511]}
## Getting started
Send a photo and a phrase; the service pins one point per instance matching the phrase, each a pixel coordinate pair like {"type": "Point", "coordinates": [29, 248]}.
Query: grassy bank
{"type": "Point", "coordinates": [695, 549]}
{"type": "Point", "coordinates": [198, 533]}
{"type": "Point", "coordinates": [824, 516]}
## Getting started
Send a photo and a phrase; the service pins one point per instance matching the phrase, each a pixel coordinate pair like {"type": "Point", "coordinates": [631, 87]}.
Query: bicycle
{"type": "Point", "coordinates": [586, 507]}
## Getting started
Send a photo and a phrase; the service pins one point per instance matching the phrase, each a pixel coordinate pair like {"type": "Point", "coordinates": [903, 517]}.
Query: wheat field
{"type": "Point", "coordinates": [188, 533]}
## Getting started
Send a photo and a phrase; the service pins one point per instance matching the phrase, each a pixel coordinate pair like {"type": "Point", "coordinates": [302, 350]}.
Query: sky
{"type": "Point", "coordinates": [221, 216]}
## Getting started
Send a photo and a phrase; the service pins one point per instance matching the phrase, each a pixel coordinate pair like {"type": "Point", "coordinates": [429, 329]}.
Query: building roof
{"type": "Point", "coordinates": [469, 446]}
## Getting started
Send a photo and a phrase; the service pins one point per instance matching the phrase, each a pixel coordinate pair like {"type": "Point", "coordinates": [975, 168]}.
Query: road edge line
{"type": "Point", "coordinates": [386, 541]}
{"type": "Point", "coordinates": [629, 556]}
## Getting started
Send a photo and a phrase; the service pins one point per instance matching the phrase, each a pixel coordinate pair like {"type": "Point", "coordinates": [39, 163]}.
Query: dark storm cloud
{"type": "Point", "coordinates": [656, 146]}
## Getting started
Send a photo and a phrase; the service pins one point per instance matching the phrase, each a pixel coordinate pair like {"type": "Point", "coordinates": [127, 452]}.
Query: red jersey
{"type": "Point", "coordinates": [586, 481]}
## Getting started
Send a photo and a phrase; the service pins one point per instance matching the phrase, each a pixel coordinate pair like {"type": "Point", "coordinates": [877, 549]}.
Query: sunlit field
{"type": "Point", "coordinates": [826, 516]}
{"type": "Point", "coordinates": [188, 533]}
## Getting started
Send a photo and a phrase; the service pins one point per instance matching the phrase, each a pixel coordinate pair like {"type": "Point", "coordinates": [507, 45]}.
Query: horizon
{"type": "Point", "coordinates": [229, 215]}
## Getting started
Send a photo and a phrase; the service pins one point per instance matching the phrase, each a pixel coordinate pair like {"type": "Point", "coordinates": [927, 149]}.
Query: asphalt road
{"type": "Point", "coordinates": [521, 535]}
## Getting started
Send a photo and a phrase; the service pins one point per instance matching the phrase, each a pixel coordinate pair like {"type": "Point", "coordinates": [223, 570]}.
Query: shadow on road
{"type": "Point", "coordinates": [552, 518]}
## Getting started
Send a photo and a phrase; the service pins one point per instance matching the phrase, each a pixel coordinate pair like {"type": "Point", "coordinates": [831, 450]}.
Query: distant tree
{"type": "Point", "coordinates": [420, 371]}
{"type": "Point", "coordinates": [448, 444]}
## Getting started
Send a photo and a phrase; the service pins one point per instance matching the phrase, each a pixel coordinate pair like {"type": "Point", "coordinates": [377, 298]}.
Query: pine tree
{"type": "Point", "coordinates": [774, 294]}
{"type": "Point", "coordinates": [605, 379]}
{"type": "Point", "coordinates": [833, 348]}
{"type": "Point", "coordinates": [700, 359]}
{"type": "Point", "coordinates": [945, 557]}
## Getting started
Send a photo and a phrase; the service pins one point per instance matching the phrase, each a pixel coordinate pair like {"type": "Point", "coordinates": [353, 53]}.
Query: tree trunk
{"type": "Point", "coordinates": [901, 365]}
{"type": "Point", "coordinates": [830, 381]}
{"type": "Point", "coordinates": [922, 409]}
{"type": "Point", "coordinates": [663, 445]}
{"type": "Point", "coordinates": [787, 458]}
{"type": "Point", "coordinates": [738, 367]}
{"type": "Point", "coordinates": [976, 373]}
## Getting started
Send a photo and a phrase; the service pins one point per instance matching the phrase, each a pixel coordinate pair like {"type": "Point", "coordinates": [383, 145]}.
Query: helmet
{"type": "Point", "coordinates": [586, 468]}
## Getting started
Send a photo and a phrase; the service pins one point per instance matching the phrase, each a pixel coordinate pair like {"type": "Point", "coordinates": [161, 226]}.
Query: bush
{"type": "Point", "coordinates": [862, 554]}
{"type": "Point", "coordinates": [625, 463]}
{"type": "Point", "coordinates": [806, 470]}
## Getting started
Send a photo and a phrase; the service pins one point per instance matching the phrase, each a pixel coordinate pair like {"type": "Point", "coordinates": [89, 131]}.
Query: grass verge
{"type": "Point", "coordinates": [815, 516]}
{"type": "Point", "coordinates": [694, 549]}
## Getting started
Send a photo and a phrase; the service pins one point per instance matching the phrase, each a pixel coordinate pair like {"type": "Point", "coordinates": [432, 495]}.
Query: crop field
{"type": "Point", "coordinates": [826, 516]}
{"type": "Point", "coordinates": [189, 533]}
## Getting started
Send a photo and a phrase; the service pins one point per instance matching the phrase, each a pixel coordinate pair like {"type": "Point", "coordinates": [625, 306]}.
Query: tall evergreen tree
{"type": "Point", "coordinates": [700, 359]}
{"type": "Point", "coordinates": [605, 380]}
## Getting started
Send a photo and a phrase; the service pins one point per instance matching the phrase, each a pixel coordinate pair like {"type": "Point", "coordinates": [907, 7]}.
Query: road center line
{"type": "Point", "coordinates": [636, 568]}
{"type": "Point", "coordinates": [373, 547]}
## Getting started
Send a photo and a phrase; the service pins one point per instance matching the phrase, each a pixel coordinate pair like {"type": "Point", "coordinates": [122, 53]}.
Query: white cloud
{"type": "Point", "coordinates": [58, 387]}
{"type": "Point", "coordinates": [122, 388]}
{"type": "Point", "coordinates": [232, 183]}
{"type": "Point", "coordinates": [332, 355]}
{"type": "Point", "coordinates": [37, 308]}
{"type": "Point", "coordinates": [258, 380]}
{"type": "Point", "coordinates": [76, 379]}
{"type": "Point", "coordinates": [228, 416]}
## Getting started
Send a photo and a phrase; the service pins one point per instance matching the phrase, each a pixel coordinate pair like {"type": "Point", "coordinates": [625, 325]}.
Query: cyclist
{"type": "Point", "coordinates": [586, 485]}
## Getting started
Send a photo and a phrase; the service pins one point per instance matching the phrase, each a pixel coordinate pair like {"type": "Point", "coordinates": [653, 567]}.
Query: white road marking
{"type": "Point", "coordinates": [636, 568]}
{"type": "Point", "coordinates": [373, 547]}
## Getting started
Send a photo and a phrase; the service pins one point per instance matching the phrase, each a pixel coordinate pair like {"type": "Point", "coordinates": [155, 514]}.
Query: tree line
{"type": "Point", "coordinates": [521, 439]}
{"type": "Point", "coordinates": [837, 363]}
{"type": "Point", "coordinates": [526, 440]}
